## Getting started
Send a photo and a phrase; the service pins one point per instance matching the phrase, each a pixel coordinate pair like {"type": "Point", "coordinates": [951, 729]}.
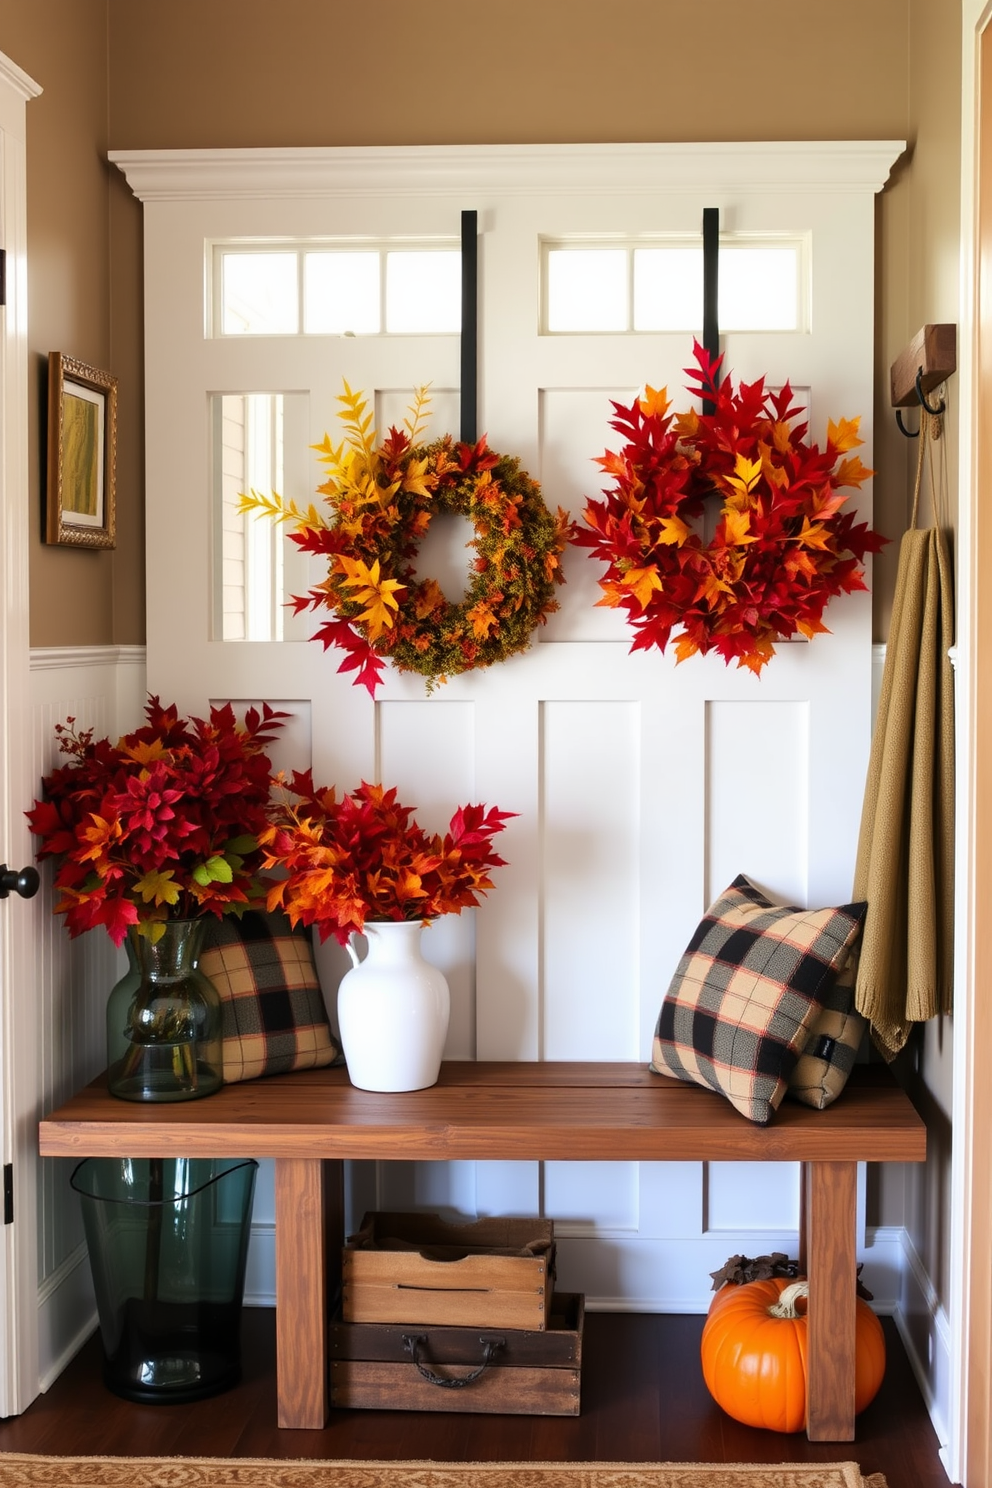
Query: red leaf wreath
{"type": "Point", "coordinates": [782, 547]}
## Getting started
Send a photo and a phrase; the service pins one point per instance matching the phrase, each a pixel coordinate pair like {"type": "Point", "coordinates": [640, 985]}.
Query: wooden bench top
{"type": "Point", "coordinates": [505, 1110]}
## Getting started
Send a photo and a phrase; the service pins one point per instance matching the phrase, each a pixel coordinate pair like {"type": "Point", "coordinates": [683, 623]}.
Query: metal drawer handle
{"type": "Point", "coordinates": [413, 1342]}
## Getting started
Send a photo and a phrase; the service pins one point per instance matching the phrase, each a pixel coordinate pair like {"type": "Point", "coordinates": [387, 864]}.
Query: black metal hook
{"type": "Point", "coordinates": [921, 395]}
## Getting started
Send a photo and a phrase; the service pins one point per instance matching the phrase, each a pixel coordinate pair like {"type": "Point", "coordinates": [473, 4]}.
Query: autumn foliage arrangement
{"type": "Point", "coordinates": [163, 824]}
{"type": "Point", "coordinates": [380, 498]}
{"type": "Point", "coordinates": [782, 547]}
{"type": "Point", "coordinates": [362, 857]}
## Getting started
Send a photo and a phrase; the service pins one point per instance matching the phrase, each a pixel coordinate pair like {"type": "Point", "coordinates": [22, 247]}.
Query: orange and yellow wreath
{"type": "Point", "coordinates": [382, 498]}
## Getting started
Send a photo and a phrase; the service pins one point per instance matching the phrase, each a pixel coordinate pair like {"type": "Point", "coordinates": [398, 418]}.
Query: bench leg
{"type": "Point", "coordinates": [301, 1292]}
{"type": "Point", "coordinates": [830, 1190]}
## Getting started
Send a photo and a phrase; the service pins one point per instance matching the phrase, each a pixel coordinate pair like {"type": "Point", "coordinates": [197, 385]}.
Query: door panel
{"type": "Point", "coordinates": [642, 788]}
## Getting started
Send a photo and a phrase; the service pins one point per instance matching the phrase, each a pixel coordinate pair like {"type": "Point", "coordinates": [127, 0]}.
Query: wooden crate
{"type": "Point", "coordinates": [419, 1268]}
{"type": "Point", "coordinates": [533, 1372]}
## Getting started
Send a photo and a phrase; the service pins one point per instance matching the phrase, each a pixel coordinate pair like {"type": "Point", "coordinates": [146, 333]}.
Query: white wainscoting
{"type": "Point", "coordinates": [700, 1213]}
{"type": "Point", "coordinates": [102, 688]}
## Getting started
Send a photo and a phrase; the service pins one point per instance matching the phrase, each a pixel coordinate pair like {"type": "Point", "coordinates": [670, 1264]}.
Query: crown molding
{"type": "Point", "coordinates": [17, 78]}
{"type": "Point", "coordinates": [612, 169]}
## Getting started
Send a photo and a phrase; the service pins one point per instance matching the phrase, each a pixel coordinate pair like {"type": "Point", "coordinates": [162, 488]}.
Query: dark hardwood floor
{"type": "Point", "coordinates": [643, 1399]}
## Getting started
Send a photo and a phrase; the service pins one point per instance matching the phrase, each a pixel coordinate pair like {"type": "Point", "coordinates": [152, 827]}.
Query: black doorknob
{"type": "Point", "coordinates": [24, 883]}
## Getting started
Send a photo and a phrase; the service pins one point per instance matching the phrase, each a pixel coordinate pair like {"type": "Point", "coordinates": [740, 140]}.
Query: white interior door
{"type": "Point", "coordinates": [642, 788]}
{"type": "Point", "coordinates": [19, 1101]}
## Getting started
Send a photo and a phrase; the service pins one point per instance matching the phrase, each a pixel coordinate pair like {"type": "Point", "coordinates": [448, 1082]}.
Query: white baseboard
{"type": "Point", "coordinates": [260, 1276]}
{"type": "Point", "coordinates": [924, 1328]}
{"type": "Point", "coordinates": [66, 1315]}
{"type": "Point", "coordinates": [884, 1258]}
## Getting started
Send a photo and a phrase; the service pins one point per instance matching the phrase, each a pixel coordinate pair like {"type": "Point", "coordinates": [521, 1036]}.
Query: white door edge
{"type": "Point", "coordinates": [18, 1066]}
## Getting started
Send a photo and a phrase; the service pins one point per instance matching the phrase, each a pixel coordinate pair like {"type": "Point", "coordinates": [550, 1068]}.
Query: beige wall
{"type": "Point", "coordinates": [78, 597]}
{"type": "Point", "coordinates": [920, 264]}
{"type": "Point", "coordinates": [314, 72]}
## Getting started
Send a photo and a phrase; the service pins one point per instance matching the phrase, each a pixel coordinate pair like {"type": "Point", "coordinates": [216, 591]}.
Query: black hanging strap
{"type": "Point", "coordinates": [711, 286]}
{"type": "Point", "coordinates": [470, 327]}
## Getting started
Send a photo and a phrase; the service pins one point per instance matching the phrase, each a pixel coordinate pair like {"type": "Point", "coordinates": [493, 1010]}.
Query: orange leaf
{"type": "Point", "coordinates": [642, 582]}
{"type": "Point", "coordinates": [376, 593]}
{"type": "Point", "coordinates": [747, 474]}
{"type": "Point", "coordinates": [145, 753]}
{"type": "Point", "coordinates": [710, 590]}
{"type": "Point", "coordinates": [852, 472]}
{"type": "Point", "coordinates": [687, 423]}
{"type": "Point", "coordinates": [760, 652]}
{"type": "Point", "coordinates": [811, 628]}
{"type": "Point", "coordinates": [673, 530]}
{"type": "Point", "coordinates": [814, 535]}
{"type": "Point", "coordinates": [429, 597]}
{"type": "Point", "coordinates": [737, 528]}
{"type": "Point", "coordinates": [655, 403]}
{"type": "Point", "coordinates": [482, 619]}
{"type": "Point", "coordinates": [684, 648]}
{"type": "Point", "coordinates": [782, 437]}
{"type": "Point", "coordinates": [844, 434]}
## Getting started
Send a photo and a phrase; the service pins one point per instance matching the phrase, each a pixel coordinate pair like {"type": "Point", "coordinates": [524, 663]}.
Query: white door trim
{"type": "Point", "coordinates": [968, 1454]}
{"type": "Point", "coordinates": [18, 999]}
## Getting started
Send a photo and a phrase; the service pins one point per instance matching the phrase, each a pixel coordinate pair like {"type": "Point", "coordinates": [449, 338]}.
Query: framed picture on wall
{"type": "Point", "coordinates": [82, 451]}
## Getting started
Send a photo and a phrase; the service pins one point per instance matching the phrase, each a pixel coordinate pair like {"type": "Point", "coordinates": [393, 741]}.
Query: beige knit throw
{"type": "Point", "coordinates": [905, 865]}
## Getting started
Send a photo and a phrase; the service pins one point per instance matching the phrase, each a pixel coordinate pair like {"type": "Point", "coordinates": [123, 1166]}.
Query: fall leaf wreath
{"type": "Point", "coordinates": [382, 498]}
{"type": "Point", "coordinates": [781, 548]}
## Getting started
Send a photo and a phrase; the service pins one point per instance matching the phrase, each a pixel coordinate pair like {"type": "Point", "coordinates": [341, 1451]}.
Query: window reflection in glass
{"type": "Point", "coordinates": [587, 289]}
{"type": "Point", "coordinates": [260, 294]}
{"type": "Point", "coordinates": [341, 294]}
{"type": "Point", "coordinates": [261, 443]}
{"type": "Point", "coordinates": [423, 292]}
{"type": "Point", "coordinates": [660, 288]}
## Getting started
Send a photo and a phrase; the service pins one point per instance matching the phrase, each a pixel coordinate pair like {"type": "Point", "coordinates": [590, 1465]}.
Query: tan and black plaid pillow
{"type": "Point", "coordinates": [834, 1042]}
{"type": "Point", "coordinates": [274, 1018]}
{"type": "Point", "coordinates": [746, 994]}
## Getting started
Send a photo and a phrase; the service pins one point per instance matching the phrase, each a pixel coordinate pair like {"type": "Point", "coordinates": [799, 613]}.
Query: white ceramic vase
{"type": "Point", "coordinates": [393, 1010]}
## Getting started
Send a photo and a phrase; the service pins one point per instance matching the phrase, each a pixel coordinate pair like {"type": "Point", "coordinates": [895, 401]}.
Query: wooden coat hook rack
{"type": "Point", "coordinates": [926, 362]}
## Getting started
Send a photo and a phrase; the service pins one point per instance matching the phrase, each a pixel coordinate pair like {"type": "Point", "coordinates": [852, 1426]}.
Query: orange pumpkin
{"type": "Point", "coordinates": [754, 1353]}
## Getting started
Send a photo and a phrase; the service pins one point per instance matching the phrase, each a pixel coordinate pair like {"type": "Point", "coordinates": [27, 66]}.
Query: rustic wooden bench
{"type": "Point", "coordinates": [310, 1122]}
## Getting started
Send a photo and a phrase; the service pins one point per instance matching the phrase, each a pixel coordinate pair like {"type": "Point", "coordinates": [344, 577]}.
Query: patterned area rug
{"type": "Point", "coordinates": [18, 1471]}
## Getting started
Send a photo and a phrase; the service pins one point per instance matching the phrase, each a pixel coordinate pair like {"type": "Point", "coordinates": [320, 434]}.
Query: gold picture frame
{"type": "Point", "coordinates": [82, 454]}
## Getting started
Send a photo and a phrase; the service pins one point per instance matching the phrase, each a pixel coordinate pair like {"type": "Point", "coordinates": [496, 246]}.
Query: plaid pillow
{"type": "Point", "coordinates": [746, 994]}
{"type": "Point", "coordinates": [274, 1018]}
{"type": "Point", "coordinates": [833, 1043]}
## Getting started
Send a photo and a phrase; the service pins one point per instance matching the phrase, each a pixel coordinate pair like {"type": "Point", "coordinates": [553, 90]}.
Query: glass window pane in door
{"type": "Point", "coordinates": [587, 289]}
{"type": "Point", "coordinates": [759, 289]}
{"type": "Point", "coordinates": [260, 443]}
{"type": "Point", "coordinates": [260, 294]}
{"type": "Point", "coordinates": [668, 289]}
{"type": "Point", "coordinates": [341, 294]}
{"type": "Point", "coordinates": [423, 292]}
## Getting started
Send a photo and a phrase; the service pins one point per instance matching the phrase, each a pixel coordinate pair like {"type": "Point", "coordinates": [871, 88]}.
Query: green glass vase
{"type": "Point", "coordinates": [168, 1245]}
{"type": "Point", "coordinates": [164, 1020]}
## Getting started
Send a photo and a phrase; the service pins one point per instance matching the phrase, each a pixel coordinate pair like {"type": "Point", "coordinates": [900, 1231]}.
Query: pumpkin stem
{"type": "Point", "coordinates": [785, 1307]}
